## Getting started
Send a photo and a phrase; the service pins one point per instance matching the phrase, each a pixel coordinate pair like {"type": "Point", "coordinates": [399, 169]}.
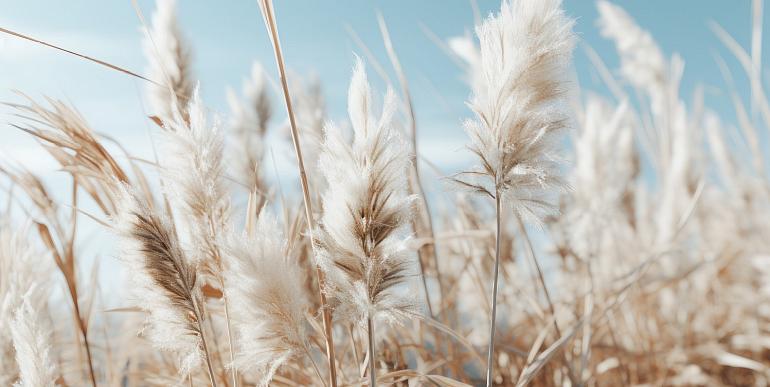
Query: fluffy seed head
{"type": "Point", "coordinates": [21, 268]}
{"type": "Point", "coordinates": [266, 291]}
{"type": "Point", "coordinates": [169, 63]}
{"type": "Point", "coordinates": [165, 285]}
{"type": "Point", "coordinates": [33, 343]}
{"type": "Point", "coordinates": [193, 167]}
{"type": "Point", "coordinates": [366, 210]}
{"type": "Point", "coordinates": [524, 50]}
{"type": "Point", "coordinates": [249, 126]}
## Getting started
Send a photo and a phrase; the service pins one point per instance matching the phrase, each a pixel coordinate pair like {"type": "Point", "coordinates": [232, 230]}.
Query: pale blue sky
{"type": "Point", "coordinates": [228, 35]}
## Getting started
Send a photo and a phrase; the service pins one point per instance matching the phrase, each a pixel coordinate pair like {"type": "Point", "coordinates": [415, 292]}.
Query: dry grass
{"type": "Point", "coordinates": [649, 266]}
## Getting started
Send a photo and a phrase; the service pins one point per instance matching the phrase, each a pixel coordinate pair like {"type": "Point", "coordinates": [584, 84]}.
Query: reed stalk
{"type": "Point", "coordinates": [269, 18]}
{"type": "Point", "coordinates": [495, 276]}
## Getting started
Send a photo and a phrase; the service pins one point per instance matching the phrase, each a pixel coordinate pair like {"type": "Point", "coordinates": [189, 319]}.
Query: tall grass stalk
{"type": "Point", "coordinates": [266, 6]}
{"type": "Point", "coordinates": [495, 279]}
{"type": "Point", "coordinates": [523, 50]}
{"type": "Point", "coordinates": [372, 359]}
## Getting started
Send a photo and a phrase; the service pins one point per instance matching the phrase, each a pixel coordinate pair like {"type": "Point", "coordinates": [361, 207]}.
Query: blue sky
{"type": "Point", "coordinates": [227, 36]}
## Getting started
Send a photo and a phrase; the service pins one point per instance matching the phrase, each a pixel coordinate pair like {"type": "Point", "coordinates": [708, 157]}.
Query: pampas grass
{"type": "Point", "coordinates": [268, 16]}
{"type": "Point", "coordinates": [166, 282]}
{"type": "Point", "coordinates": [365, 213]}
{"type": "Point", "coordinates": [170, 64]}
{"type": "Point", "coordinates": [193, 167]}
{"type": "Point", "coordinates": [249, 126]}
{"type": "Point", "coordinates": [523, 50]}
{"type": "Point", "coordinates": [269, 304]}
{"type": "Point", "coordinates": [23, 301]}
{"type": "Point", "coordinates": [33, 343]}
{"type": "Point", "coordinates": [627, 244]}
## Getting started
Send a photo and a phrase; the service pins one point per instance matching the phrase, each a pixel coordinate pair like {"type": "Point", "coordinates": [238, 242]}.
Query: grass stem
{"type": "Point", "coordinates": [372, 364]}
{"type": "Point", "coordinates": [493, 318]}
{"type": "Point", "coordinates": [267, 12]}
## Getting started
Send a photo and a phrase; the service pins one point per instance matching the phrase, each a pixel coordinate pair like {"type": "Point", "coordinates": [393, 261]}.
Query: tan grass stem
{"type": "Point", "coordinates": [490, 354]}
{"type": "Point", "coordinates": [206, 352]}
{"type": "Point", "coordinates": [372, 364]}
{"type": "Point", "coordinates": [269, 18]}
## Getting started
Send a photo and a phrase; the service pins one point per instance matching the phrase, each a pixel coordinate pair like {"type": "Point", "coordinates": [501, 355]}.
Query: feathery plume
{"type": "Point", "coordinates": [366, 213]}
{"type": "Point", "coordinates": [249, 126]}
{"type": "Point", "coordinates": [71, 141]}
{"type": "Point", "coordinates": [165, 282]}
{"type": "Point", "coordinates": [33, 343]}
{"type": "Point", "coordinates": [170, 63]}
{"type": "Point", "coordinates": [642, 62]}
{"type": "Point", "coordinates": [194, 168]}
{"type": "Point", "coordinates": [19, 271]}
{"type": "Point", "coordinates": [366, 209]}
{"type": "Point", "coordinates": [603, 177]}
{"type": "Point", "coordinates": [523, 53]}
{"type": "Point", "coordinates": [266, 291]}
{"type": "Point", "coordinates": [645, 67]}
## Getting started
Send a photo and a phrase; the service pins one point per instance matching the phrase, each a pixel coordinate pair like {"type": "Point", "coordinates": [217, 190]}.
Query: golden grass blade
{"type": "Point", "coordinates": [86, 57]}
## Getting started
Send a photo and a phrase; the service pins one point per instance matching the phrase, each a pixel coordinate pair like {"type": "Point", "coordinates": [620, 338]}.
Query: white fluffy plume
{"type": "Point", "coordinates": [32, 341]}
{"type": "Point", "coordinates": [599, 210]}
{"type": "Point", "coordinates": [249, 126]}
{"type": "Point", "coordinates": [22, 272]}
{"type": "Point", "coordinates": [169, 63]}
{"type": "Point", "coordinates": [366, 209]}
{"type": "Point", "coordinates": [642, 61]}
{"type": "Point", "coordinates": [266, 291]}
{"type": "Point", "coordinates": [524, 51]}
{"type": "Point", "coordinates": [164, 284]}
{"type": "Point", "coordinates": [676, 140]}
{"type": "Point", "coordinates": [193, 168]}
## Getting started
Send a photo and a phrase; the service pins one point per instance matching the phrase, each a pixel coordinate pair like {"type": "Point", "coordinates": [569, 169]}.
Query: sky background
{"type": "Point", "coordinates": [227, 36]}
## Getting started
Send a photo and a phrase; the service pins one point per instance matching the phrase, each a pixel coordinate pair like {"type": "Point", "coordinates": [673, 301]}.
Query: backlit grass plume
{"type": "Point", "coordinates": [366, 212]}
{"type": "Point", "coordinates": [194, 173]}
{"type": "Point", "coordinates": [170, 63]}
{"type": "Point", "coordinates": [23, 307]}
{"type": "Point", "coordinates": [33, 341]}
{"type": "Point", "coordinates": [268, 299]}
{"type": "Point", "coordinates": [606, 165]}
{"type": "Point", "coordinates": [675, 140]}
{"type": "Point", "coordinates": [523, 54]}
{"type": "Point", "coordinates": [657, 260]}
{"type": "Point", "coordinates": [193, 166]}
{"type": "Point", "coordinates": [249, 126]}
{"type": "Point", "coordinates": [165, 283]}
{"type": "Point", "coordinates": [524, 51]}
